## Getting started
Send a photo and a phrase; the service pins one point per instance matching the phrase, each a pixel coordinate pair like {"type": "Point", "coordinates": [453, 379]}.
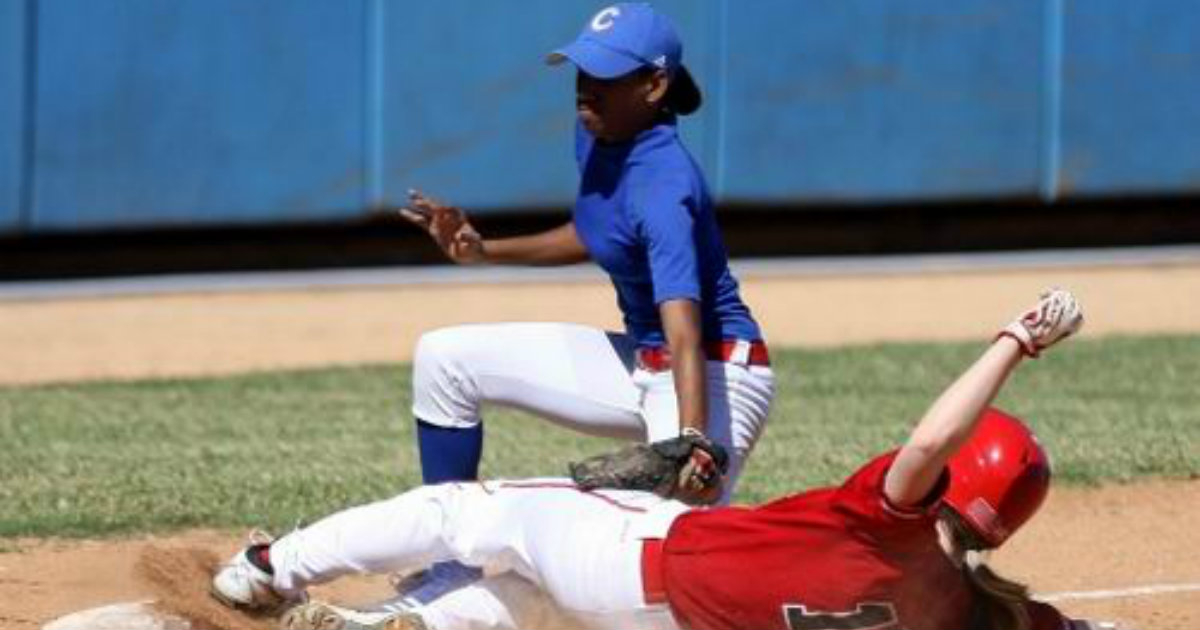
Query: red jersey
{"type": "Point", "coordinates": [833, 558]}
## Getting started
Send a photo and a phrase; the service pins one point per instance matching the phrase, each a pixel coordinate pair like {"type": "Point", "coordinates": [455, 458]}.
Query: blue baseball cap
{"type": "Point", "coordinates": [629, 36]}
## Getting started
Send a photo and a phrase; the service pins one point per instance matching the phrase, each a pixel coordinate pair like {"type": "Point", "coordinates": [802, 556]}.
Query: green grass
{"type": "Point", "coordinates": [275, 449]}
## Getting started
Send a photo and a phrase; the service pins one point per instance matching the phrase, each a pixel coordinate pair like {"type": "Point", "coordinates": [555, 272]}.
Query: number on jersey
{"type": "Point", "coordinates": [866, 616]}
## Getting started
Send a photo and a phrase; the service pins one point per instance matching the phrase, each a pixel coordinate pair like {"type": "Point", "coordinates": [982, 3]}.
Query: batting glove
{"type": "Point", "coordinates": [1056, 316]}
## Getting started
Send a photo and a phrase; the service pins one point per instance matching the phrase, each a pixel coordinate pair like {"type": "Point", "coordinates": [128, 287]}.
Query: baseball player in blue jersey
{"type": "Point", "coordinates": [692, 358]}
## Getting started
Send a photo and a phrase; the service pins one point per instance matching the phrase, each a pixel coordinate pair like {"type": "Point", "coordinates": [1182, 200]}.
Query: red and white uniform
{"type": "Point", "coordinates": [834, 558]}
{"type": "Point", "coordinates": [830, 558]}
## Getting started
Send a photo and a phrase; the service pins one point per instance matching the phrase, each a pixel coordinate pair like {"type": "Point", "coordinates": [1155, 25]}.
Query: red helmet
{"type": "Point", "coordinates": [999, 478]}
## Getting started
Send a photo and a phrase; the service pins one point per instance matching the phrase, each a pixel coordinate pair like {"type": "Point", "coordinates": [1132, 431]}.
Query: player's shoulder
{"type": "Point", "coordinates": [871, 474]}
{"type": "Point", "coordinates": [662, 152]}
{"type": "Point", "coordinates": [861, 497]}
{"type": "Point", "coordinates": [669, 162]}
{"type": "Point", "coordinates": [655, 182]}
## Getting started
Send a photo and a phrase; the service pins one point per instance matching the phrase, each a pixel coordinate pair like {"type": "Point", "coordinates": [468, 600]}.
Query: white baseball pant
{"type": "Point", "coordinates": [582, 549]}
{"type": "Point", "coordinates": [582, 378]}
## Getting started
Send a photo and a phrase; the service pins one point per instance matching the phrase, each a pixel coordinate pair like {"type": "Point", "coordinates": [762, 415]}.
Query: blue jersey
{"type": "Point", "coordinates": [645, 215]}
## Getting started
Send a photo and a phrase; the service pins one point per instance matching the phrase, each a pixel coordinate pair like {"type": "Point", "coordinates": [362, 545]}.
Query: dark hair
{"type": "Point", "coordinates": [683, 94]}
{"type": "Point", "coordinates": [997, 603]}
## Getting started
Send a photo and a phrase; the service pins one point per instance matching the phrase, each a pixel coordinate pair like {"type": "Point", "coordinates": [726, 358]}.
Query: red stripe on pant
{"type": "Point", "coordinates": [654, 587]}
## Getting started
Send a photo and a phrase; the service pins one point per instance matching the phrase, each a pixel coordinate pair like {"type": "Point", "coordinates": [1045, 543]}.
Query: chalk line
{"type": "Point", "coordinates": [1132, 591]}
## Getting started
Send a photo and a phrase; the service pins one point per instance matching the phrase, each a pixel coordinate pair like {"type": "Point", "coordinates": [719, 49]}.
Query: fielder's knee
{"type": "Point", "coordinates": [444, 391]}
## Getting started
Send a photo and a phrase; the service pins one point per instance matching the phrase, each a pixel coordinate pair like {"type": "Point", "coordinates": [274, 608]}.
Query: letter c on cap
{"type": "Point", "coordinates": [604, 19]}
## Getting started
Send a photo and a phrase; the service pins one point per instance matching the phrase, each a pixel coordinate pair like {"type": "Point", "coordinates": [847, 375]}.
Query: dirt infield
{"type": "Point", "coordinates": [1105, 539]}
{"type": "Point", "coordinates": [199, 334]}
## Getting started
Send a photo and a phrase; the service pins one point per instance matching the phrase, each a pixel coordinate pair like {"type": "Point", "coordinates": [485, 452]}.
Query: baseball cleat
{"type": "Point", "coordinates": [323, 616]}
{"type": "Point", "coordinates": [241, 584]}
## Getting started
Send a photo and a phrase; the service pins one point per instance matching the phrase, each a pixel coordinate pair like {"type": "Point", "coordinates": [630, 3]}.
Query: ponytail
{"type": "Point", "coordinates": [683, 97]}
{"type": "Point", "coordinates": [997, 603]}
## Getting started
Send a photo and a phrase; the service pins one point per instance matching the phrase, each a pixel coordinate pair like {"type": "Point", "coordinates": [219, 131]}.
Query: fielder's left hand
{"type": "Point", "coordinates": [448, 226]}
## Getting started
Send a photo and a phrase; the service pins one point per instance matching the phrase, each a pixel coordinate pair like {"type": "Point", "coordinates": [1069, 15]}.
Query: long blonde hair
{"type": "Point", "coordinates": [997, 603]}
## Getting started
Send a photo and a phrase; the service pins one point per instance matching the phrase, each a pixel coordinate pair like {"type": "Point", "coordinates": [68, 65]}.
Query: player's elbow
{"type": "Point", "coordinates": [681, 324]}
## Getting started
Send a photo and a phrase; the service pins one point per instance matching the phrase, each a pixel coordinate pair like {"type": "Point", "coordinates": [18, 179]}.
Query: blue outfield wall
{"type": "Point", "coordinates": [1131, 97]}
{"type": "Point", "coordinates": [862, 100]}
{"type": "Point", "coordinates": [13, 65]}
{"type": "Point", "coordinates": [147, 113]}
{"type": "Point", "coordinates": [197, 112]}
{"type": "Point", "coordinates": [470, 112]}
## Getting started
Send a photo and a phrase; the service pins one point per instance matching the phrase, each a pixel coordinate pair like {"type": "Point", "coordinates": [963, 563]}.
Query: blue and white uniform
{"type": "Point", "coordinates": [644, 213]}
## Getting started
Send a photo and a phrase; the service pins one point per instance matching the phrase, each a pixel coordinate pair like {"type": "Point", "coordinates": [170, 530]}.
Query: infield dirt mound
{"type": "Point", "coordinates": [175, 578]}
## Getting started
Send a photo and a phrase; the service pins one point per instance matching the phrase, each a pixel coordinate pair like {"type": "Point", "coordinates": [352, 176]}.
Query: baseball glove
{"type": "Point", "coordinates": [690, 468]}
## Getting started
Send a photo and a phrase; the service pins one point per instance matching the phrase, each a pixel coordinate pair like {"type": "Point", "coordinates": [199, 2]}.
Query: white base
{"type": "Point", "coordinates": [127, 616]}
